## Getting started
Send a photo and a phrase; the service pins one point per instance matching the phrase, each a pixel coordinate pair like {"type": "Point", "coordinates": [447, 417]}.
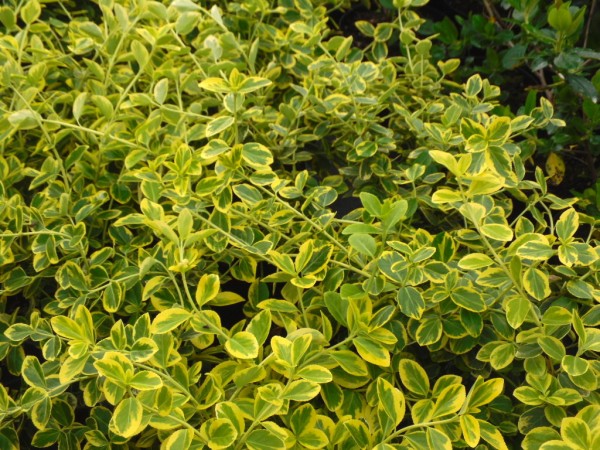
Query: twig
{"type": "Point", "coordinates": [589, 23]}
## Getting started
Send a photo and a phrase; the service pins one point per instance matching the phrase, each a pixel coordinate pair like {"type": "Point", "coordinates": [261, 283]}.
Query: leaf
{"type": "Point", "coordinates": [350, 363]}
{"type": "Point", "coordinates": [436, 439]}
{"type": "Point", "coordinates": [358, 431]}
{"type": "Point", "coordinates": [161, 90]}
{"type": "Point", "coordinates": [411, 302]}
{"type": "Point", "coordinates": [474, 261]}
{"type": "Point", "coordinates": [32, 372]}
{"type": "Point", "coordinates": [260, 326]}
{"type": "Point", "coordinates": [207, 289]}
{"type": "Point", "coordinates": [363, 243]}
{"type": "Point", "coordinates": [517, 309]}
{"type": "Point", "coordinates": [216, 126]}
{"type": "Point", "coordinates": [473, 86]}
{"type": "Point", "coordinates": [536, 283]}
{"type": "Point", "coordinates": [24, 119]}
{"type": "Point", "coordinates": [251, 84]}
{"type": "Point", "coordinates": [264, 440]}
{"type": "Point", "coordinates": [483, 392]}
{"type": "Point", "coordinates": [429, 331]}
{"type": "Point", "coordinates": [127, 417]}
{"type": "Point", "coordinates": [168, 320]}
{"type": "Point", "coordinates": [470, 429]}
{"type": "Point", "coordinates": [78, 105]}
{"type": "Point", "coordinates": [552, 347]}
{"type": "Point", "coordinates": [145, 381]}
{"type": "Point", "coordinates": [372, 351]}
{"type": "Point", "coordinates": [446, 159]}
{"type": "Point", "coordinates": [469, 299]}
{"type": "Point", "coordinates": [449, 401]}
{"type": "Point", "coordinates": [491, 435]}
{"type": "Point", "coordinates": [555, 168]}
{"type": "Point", "coordinates": [179, 440]}
{"type": "Point", "coordinates": [257, 155]}
{"type": "Point", "coordinates": [371, 204]}
{"type": "Point", "coordinates": [502, 355]}
{"type": "Point", "coordinates": [221, 434]}
{"type": "Point", "coordinates": [391, 400]}
{"type": "Point", "coordinates": [414, 377]}
{"type": "Point", "coordinates": [242, 345]}
{"type": "Point", "coordinates": [66, 327]}
{"type": "Point", "coordinates": [217, 85]}
{"type": "Point", "coordinates": [497, 231]}
{"type": "Point", "coordinates": [301, 391]}
{"type": "Point", "coordinates": [567, 224]}
{"type": "Point", "coordinates": [31, 11]}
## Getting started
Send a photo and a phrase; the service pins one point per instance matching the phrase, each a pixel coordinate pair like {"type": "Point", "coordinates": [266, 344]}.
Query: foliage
{"type": "Point", "coordinates": [538, 48]}
{"type": "Point", "coordinates": [156, 157]}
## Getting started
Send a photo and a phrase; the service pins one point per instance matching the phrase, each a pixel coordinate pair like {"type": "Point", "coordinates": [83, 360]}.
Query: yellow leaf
{"type": "Point", "coordinates": [555, 167]}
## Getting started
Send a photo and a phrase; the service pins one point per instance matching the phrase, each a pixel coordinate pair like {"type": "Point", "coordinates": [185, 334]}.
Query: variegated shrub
{"type": "Point", "coordinates": [155, 154]}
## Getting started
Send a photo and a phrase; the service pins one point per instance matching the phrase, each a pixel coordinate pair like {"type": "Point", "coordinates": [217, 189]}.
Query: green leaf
{"type": "Point", "coordinates": [264, 440]}
{"type": "Point", "coordinates": [207, 289]}
{"type": "Point", "coordinates": [32, 372]}
{"type": "Point", "coordinates": [358, 431]}
{"type": "Point", "coordinates": [127, 417]}
{"type": "Point", "coordinates": [469, 299]}
{"type": "Point", "coordinates": [221, 434]}
{"type": "Point", "coordinates": [497, 231]}
{"type": "Point", "coordinates": [301, 391]}
{"type": "Point", "coordinates": [567, 225]}
{"type": "Point", "coordinates": [140, 54]}
{"type": "Point", "coordinates": [473, 86]}
{"type": "Point", "coordinates": [363, 243]}
{"type": "Point", "coordinates": [179, 440]}
{"type": "Point", "coordinates": [260, 326]}
{"type": "Point", "coordinates": [242, 345]}
{"type": "Point", "coordinates": [536, 283]}
{"type": "Point", "coordinates": [483, 392]}
{"type": "Point", "coordinates": [372, 351]}
{"type": "Point", "coordinates": [161, 90]}
{"type": "Point", "coordinates": [411, 302]}
{"type": "Point", "coordinates": [31, 11]}
{"type": "Point", "coordinates": [66, 328]}
{"type": "Point", "coordinates": [217, 85]}
{"type": "Point", "coordinates": [231, 411]}
{"type": "Point", "coordinates": [371, 203]}
{"type": "Point", "coordinates": [502, 355]}
{"type": "Point", "coordinates": [474, 261]}
{"type": "Point", "coordinates": [576, 432]}
{"type": "Point", "coordinates": [429, 331]}
{"type": "Point", "coordinates": [313, 438]}
{"type": "Point", "coordinates": [491, 435]}
{"type": "Point", "coordinates": [145, 381]}
{"type": "Point", "coordinates": [536, 251]}
{"type": "Point", "coordinates": [414, 377]}
{"type": "Point", "coordinates": [517, 309]}
{"type": "Point", "coordinates": [168, 320]}
{"type": "Point", "coordinates": [391, 400]}
{"type": "Point", "coordinates": [257, 155]}
{"type": "Point", "coordinates": [553, 347]}
{"type": "Point", "coordinates": [350, 363]}
{"type": "Point", "coordinates": [438, 440]}
{"type": "Point", "coordinates": [449, 401]}
{"type": "Point", "coordinates": [219, 124]}
{"type": "Point", "coordinates": [251, 84]}
{"type": "Point", "coordinates": [574, 365]}
{"type": "Point", "coordinates": [470, 429]}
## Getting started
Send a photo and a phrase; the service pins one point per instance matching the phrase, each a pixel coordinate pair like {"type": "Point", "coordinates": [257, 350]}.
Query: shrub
{"type": "Point", "coordinates": [165, 168]}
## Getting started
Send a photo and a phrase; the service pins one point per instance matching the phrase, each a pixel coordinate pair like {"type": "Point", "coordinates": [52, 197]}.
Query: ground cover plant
{"type": "Point", "coordinates": [177, 270]}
